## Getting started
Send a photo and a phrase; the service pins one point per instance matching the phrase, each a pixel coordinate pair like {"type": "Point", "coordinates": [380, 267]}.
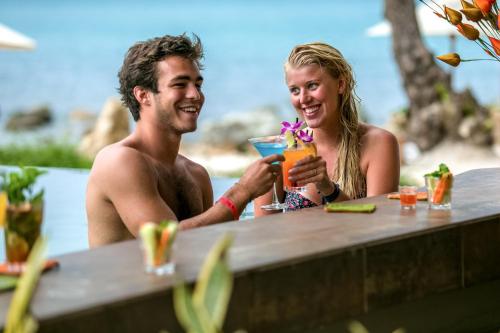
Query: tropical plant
{"type": "Point", "coordinates": [482, 15]}
{"type": "Point", "coordinates": [204, 309]}
{"type": "Point", "coordinates": [18, 318]}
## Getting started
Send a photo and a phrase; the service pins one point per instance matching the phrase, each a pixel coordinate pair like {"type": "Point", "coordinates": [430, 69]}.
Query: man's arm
{"type": "Point", "coordinates": [257, 180]}
{"type": "Point", "coordinates": [130, 184]}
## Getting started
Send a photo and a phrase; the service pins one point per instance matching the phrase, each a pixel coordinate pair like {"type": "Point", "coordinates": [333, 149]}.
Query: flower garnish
{"type": "Point", "coordinates": [304, 136]}
{"type": "Point", "coordinates": [294, 127]}
{"type": "Point", "coordinates": [294, 134]}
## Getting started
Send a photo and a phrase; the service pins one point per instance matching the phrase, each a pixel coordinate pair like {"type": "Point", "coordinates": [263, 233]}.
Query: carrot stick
{"type": "Point", "coordinates": [162, 246]}
{"type": "Point", "coordinates": [443, 185]}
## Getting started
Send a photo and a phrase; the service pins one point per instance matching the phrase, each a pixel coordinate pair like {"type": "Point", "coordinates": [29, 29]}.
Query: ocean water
{"type": "Point", "coordinates": [65, 220]}
{"type": "Point", "coordinates": [81, 45]}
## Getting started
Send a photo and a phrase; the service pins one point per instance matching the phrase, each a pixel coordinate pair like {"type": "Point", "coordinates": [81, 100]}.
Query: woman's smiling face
{"type": "Point", "coordinates": [315, 93]}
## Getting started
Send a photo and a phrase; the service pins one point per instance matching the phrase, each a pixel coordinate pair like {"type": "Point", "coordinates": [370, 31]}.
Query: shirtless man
{"type": "Point", "coordinates": [143, 177]}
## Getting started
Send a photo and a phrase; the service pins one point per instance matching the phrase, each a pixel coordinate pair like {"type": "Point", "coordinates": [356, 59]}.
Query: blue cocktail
{"type": "Point", "coordinates": [268, 145]}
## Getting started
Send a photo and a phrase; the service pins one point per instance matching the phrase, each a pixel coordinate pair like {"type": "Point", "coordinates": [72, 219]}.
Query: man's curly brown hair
{"type": "Point", "coordinates": [140, 65]}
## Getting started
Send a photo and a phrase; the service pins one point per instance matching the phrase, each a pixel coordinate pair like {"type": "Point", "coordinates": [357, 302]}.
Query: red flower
{"type": "Point", "coordinates": [496, 45]}
{"type": "Point", "coordinates": [484, 5]}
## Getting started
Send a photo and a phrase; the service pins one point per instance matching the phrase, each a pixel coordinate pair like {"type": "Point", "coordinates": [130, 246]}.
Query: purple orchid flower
{"type": "Point", "coordinates": [294, 127]}
{"type": "Point", "coordinates": [304, 136]}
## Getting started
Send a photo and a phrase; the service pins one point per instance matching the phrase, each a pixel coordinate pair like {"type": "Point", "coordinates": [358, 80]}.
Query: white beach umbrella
{"type": "Point", "coordinates": [428, 22]}
{"type": "Point", "coordinates": [13, 40]}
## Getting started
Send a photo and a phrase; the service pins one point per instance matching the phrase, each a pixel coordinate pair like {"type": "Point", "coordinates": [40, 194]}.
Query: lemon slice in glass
{"type": "Point", "coordinates": [290, 140]}
{"type": "Point", "coordinates": [3, 207]}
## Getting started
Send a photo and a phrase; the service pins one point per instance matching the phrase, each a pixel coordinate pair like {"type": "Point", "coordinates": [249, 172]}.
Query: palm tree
{"type": "Point", "coordinates": [431, 118]}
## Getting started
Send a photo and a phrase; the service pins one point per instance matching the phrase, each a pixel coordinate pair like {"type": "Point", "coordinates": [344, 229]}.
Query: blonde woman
{"type": "Point", "coordinates": [355, 159]}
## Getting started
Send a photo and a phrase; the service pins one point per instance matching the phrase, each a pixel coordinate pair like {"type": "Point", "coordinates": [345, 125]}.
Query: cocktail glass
{"type": "Point", "coordinates": [23, 223]}
{"type": "Point", "coordinates": [266, 146]}
{"type": "Point", "coordinates": [442, 203]}
{"type": "Point", "coordinates": [292, 156]}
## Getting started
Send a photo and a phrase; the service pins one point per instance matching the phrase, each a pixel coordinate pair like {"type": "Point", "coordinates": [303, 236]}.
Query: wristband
{"type": "Point", "coordinates": [230, 204]}
{"type": "Point", "coordinates": [334, 195]}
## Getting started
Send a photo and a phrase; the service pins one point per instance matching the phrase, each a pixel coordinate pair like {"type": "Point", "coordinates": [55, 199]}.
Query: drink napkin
{"type": "Point", "coordinates": [349, 208]}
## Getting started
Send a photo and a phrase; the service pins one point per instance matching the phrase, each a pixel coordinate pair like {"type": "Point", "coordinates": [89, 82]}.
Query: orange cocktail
{"type": "Point", "coordinates": [292, 156]}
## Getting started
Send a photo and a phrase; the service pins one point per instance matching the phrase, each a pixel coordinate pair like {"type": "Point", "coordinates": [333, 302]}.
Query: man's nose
{"type": "Point", "coordinates": [193, 92]}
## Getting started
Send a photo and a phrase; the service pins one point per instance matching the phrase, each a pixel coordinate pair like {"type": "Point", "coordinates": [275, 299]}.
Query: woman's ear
{"type": "Point", "coordinates": [342, 85]}
{"type": "Point", "coordinates": [141, 95]}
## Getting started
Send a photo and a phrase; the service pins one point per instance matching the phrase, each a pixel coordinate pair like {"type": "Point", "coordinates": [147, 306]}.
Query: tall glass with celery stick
{"type": "Point", "coordinates": [439, 184]}
{"type": "Point", "coordinates": [157, 241]}
{"type": "Point", "coordinates": [269, 145]}
{"type": "Point", "coordinates": [299, 145]}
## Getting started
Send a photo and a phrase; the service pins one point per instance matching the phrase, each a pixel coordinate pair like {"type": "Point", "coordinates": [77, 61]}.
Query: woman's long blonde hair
{"type": "Point", "coordinates": [348, 172]}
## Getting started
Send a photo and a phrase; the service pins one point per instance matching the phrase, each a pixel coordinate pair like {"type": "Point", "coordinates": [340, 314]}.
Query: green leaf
{"type": "Point", "coordinates": [215, 282]}
{"type": "Point", "coordinates": [357, 327]}
{"type": "Point", "coordinates": [19, 185]}
{"type": "Point", "coordinates": [442, 169]}
{"type": "Point", "coordinates": [17, 318]}
{"type": "Point", "coordinates": [188, 315]}
{"type": "Point", "coordinates": [7, 282]}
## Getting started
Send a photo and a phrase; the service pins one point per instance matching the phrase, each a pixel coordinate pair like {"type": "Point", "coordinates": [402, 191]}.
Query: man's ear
{"type": "Point", "coordinates": [142, 95]}
{"type": "Point", "coordinates": [342, 85]}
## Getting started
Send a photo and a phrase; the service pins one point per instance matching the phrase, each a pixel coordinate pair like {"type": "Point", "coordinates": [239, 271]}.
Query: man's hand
{"type": "Point", "coordinates": [260, 175]}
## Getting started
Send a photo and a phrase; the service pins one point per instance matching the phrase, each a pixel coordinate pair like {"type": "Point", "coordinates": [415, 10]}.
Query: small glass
{"type": "Point", "coordinates": [292, 156]}
{"type": "Point", "coordinates": [157, 246]}
{"type": "Point", "coordinates": [164, 265]}
{"type": "Point", "coordinates": [443, 202]}
{"type": "Point", "coordinates": [23, 223]}
{"type": "Point", "coordinates": [408, 196]}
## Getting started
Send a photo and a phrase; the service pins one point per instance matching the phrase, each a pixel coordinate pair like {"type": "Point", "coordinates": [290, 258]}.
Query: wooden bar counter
{"type": "Point", "coordinates": [306, 271]}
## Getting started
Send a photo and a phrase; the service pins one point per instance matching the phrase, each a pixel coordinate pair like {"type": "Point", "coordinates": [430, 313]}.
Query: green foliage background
{"type": "Point", "coordinates": [47, 154]}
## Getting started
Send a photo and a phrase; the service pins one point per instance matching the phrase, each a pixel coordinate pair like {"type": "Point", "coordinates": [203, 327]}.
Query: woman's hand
{"type": "Point", "coordinates": [312, 170]}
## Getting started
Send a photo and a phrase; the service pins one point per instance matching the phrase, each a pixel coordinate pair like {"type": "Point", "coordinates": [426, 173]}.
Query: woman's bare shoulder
{"type": "Point", "coordinates": [373, 136]}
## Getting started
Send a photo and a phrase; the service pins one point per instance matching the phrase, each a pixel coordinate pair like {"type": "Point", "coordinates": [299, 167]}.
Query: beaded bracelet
{"type": "Point", "coordinates": [334, 195]}
{"type": "Point", "coordinates": [232, 207]}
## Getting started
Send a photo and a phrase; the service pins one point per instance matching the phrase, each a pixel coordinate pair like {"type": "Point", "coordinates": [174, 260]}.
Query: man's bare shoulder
{"type": "Point", "coordinates": [118, 159]}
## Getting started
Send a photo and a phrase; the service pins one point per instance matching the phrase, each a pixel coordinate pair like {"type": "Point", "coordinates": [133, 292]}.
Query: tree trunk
{"type": "Point", "coordinates": [420, 74]}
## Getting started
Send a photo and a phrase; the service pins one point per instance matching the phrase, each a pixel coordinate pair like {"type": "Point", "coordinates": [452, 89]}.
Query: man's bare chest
{"type": "Point", "coordinates": [181, 192]}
